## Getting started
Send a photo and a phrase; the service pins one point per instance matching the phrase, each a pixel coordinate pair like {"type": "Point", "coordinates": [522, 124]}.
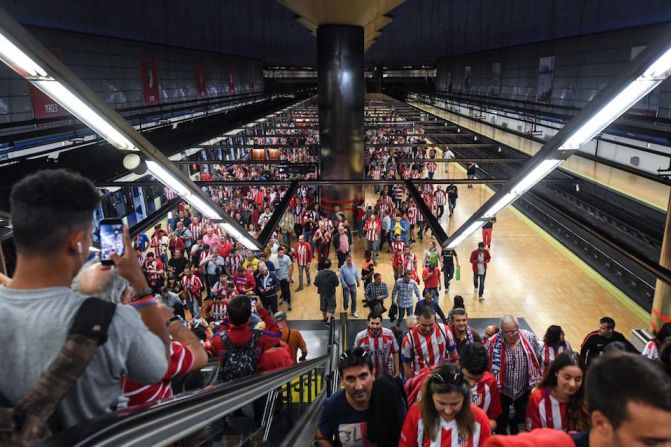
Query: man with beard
{"type": "Point", "coordinates": [382, 346]}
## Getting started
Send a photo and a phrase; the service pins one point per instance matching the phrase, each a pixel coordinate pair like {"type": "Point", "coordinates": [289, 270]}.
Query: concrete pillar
{"type": "Point", "coordinates": [342, 90]}
{"type": "Point", "coordinates": [661, 306]}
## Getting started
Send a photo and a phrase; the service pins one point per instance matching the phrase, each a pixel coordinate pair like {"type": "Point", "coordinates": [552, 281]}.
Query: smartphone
{"type": "Point", "coordinates": [111, 239]}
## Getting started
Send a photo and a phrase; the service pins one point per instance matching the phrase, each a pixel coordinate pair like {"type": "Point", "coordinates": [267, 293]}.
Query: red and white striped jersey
{"type": "Point", "coordinates": [408, 261]}
{"type": "Point", "coordinates": [383, 207]}
{"type": "Point", "coordinates": [328, 226]}
{"type": "Point", "coordinates": [549, 354]}
{"type": "Point", "coordinates": [193, 286]}
{"type": "Point", "coordinates": [219, 310]}
{"type": "Point", "coordinates": [233, 260]}
{"type": "Point", "coordinates": [447, 435]}
{"type": "Point", "coordinates": [397, 246]}
{"type": "Point", "coordinates": [412, 214]}
{"type": "Point", "coordinates": [196, 231]}
{"type": "Point", "coordinates": [440, 197]}
{"type": "Point", "coordinates": [303, 253]}
{"type": "Point", "coordinates": [427, 350]}
{"type": "Point", "coordinates": [431, 166]}
{"type": "Point", "coordinates": [372, 228]}
{"type": "Point", "coordinates": [154, 265]}
{"type": "Point", "coordinates": [299, 212]}
{"type": "Point", "coordinates": [544, 411]}
{"type": "Point", "coordinates": [169, 193]}
{"type": "Point", "coordinates": [650, 351]}
{"type": "Point", "coordinates": [380, 348]}
{"type": "Point", "coordinates": [181, 361]}
{"type": "Point", "coordinates": [485, 395]}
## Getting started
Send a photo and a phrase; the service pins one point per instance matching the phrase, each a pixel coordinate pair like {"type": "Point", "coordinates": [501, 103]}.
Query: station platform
{"type": "Point", "coordinates": [648, 191]}
{"type": "Point", "coordinates": [531, 275]}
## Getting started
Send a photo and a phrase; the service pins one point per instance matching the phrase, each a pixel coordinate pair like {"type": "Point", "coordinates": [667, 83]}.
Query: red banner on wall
{"type": "Point", "coordinates": [201, 81]}
{"type": "Point", "coordinates": [230, 80]}
{"type": "Point", "coordinates": [149, 81]}
{"type": "Point", "coordinates": [44, 106]}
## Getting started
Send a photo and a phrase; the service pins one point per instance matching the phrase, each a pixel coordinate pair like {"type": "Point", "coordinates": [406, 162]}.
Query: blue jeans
{"type": "Point", "coordinates": [346, 292]}
{"type": "Point", "coordinates": [482, 282]}
{"type": "Point", "coordinates": [402, 311]}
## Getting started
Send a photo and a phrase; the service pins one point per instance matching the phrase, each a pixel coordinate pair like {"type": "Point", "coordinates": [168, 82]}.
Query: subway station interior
{"type": "Point", "coordinates": [540, 128]}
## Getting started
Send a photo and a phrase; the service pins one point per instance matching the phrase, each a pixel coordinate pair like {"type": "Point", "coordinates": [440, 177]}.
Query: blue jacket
{"type": "Point", "coordinates": [272, 284]}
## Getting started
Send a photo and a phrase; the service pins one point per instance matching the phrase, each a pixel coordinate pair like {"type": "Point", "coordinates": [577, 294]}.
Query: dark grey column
{"type": "Point", "coordinates": [340, 64]}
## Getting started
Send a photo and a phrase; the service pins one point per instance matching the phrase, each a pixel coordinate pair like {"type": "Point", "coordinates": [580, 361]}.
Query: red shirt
{"type": "Point", "coordinates": [275, 358]}
{"type": "Point", "coordinates": [431, 278]}
{"type": "Point", "coordinates": [244, 282]}
{"type": "Point", "coordinates": [303, 253]}
{"type": "Point", "coordinates": [447, 434]}
{"type": "Point", "coordinates": [181, 361]}
{"type": "Point", "coordinates": [544, 411]}
{"type": "Point", "coordinates": [485, 395]}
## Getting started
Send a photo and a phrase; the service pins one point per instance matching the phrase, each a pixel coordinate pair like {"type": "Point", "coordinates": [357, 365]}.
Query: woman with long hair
{"type": "Point", "coordinates": [445, 415]}
{"type": "Point", "coordinates": [553, 344]}
{"type": "Point", "coordinates": [557, 402]}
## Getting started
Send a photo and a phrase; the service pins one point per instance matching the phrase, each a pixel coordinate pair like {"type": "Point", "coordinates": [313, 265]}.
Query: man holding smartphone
{"type": "Point", "coordinates": [51, 216]}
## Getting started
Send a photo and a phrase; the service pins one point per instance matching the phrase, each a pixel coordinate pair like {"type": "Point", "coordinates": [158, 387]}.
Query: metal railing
{"type": "Point", "coordinates": [200, 414]}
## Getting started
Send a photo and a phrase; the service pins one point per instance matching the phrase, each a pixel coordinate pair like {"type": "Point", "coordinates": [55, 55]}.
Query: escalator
{"type": "Point", "coordinates": [277, 408]}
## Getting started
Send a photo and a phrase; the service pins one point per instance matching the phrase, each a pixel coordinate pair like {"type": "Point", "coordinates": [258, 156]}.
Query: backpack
{"type": "Point", "coordinates": [27, 423]}
{"type": "Point", "coordinates": [433, 258]}
{"type": "Point", "coordinates": [238, 361]}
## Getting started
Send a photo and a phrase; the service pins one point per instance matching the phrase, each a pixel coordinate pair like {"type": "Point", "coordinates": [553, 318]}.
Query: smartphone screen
{"type": "Point", "coordinates": [111, 239]}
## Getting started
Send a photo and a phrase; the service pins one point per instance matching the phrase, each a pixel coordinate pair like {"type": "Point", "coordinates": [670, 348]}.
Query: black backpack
{"type": "Point", "coordinates": [28, 423]}
{"type": "Point", "coordinates": [238, 361]}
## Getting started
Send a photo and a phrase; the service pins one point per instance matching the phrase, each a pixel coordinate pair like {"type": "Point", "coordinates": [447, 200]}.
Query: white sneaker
{"type": "Point", "coordinates": [475, 291]}
{"type": "Point", "coordinates": [355, 315]}
{"type": "Point", "coordinates": [481, 298]}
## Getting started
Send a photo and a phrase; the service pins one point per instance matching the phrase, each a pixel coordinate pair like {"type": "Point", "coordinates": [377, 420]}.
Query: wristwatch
{"type": "Point", "coordinates": [175, 318]}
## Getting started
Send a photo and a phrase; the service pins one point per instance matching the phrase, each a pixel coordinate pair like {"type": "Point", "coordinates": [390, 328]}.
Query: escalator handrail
{"type": "Point", "coordinates": [173, 419]}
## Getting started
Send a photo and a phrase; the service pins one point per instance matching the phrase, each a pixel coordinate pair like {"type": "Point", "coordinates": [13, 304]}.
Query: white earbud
{"type": "Point", "coordinates": [79, 248]}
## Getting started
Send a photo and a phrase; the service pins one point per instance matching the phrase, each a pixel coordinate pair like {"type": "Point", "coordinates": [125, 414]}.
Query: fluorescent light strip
{"type": "Point", "coordinates": [205, 209]}
{"type": "Point", "coordinates": [609, 113]}
{"type": "Point", "coordinates": [167, 178]}
{"type": "Point", "coordinates": [498, 206]}
{"type": "Point", "coordinates": [235, 234]}
{"type": "Point", "coordinates": [88, 116]}
{"type": "Point", "coordinates": [19, 60]}
{"type": "Point", "coordinates": [467, 232]}
{"type": "Point", "coordinates": [536, 175]}
{"type": "Point", "coordinates": [660, 69]}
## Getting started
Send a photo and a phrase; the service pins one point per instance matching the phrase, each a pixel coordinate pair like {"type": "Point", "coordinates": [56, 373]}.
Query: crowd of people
{"type": "Point", "coordinates": [183, 293]}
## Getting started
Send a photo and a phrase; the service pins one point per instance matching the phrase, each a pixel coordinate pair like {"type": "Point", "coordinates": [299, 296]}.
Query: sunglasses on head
{"type": "Point", "coordinates": [362, 353]}
{"type": "Point", "coordinates": [455, 378]}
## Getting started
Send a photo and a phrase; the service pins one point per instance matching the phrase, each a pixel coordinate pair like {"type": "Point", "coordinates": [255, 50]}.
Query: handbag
{"type": "Point", "coordinates": [393, 311]}
{"type": "Point", "coordinates": [457, 273]}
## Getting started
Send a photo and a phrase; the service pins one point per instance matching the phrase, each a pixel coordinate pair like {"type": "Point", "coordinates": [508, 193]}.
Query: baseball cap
{"type": "Point", "coordinates": [281, 315]}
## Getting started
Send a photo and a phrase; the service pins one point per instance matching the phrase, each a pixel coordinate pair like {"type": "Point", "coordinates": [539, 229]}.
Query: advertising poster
{"type": "Point", "coordinates": [201, 81]}
{"type": "Point", "coordinates": [546, 68]}
{"type": "Point", "coordinates": [230, 80]}
{"type": "Point", "coordinates": [149, 81]}
{"type": "Point", "coordinates": [44, 106]}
